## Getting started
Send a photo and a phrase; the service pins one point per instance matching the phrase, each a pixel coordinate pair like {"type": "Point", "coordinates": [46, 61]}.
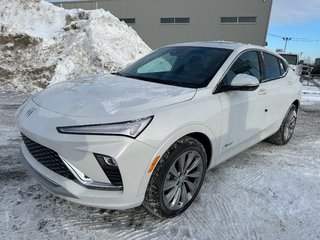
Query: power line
{"type": "Point", "coordinates": [295, 39]}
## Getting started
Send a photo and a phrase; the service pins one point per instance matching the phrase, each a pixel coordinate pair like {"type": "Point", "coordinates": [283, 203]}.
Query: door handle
{"type": "Point", "coordinates": [262, 91]}
{"type": "Point", "coordinates": [290, 82]}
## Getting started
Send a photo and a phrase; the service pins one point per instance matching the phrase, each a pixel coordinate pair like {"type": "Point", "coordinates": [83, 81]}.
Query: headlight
{"type": "Point", "coordinates": [130, 128]}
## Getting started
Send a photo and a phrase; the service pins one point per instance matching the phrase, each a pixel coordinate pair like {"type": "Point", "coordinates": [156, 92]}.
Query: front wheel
{"type": "Point", "coordinates": [285, 132]}
{"type": "Point", "coordinates": [177, 178]}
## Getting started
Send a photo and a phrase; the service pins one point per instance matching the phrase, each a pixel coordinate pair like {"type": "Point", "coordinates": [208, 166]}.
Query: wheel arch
{"type": "Point", "coordinates": [200, 132]}
{"type": "Point", "coordinates": [205, 141]}
{"type": "Point", "coordinates": [296, 103]}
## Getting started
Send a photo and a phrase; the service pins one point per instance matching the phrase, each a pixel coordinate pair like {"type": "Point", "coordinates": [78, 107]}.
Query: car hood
{"type": "Point", "coordinates": [109, 95]}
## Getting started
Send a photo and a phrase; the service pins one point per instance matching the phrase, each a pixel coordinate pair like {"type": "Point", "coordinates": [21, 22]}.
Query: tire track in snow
{"type": "Point", "coordinates": [241, 188]}
{"type": "Point", "coordinates": [204, 226]}
{"type": "Point", "coordinates": [222, 204]}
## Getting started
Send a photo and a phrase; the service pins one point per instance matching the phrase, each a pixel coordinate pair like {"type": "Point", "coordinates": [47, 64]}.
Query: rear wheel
{"type": "Point", "coordinates": [177, 178]}
{"type": "Point", "coordinates": [285, 132]}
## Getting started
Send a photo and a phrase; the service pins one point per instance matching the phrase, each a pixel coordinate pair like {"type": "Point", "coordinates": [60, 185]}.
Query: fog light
{"type": "Point", "coordinates": [110, 167]}
{"type": "Point", "coordinates": [106, 159]}
{"type": "Point", "coordinates": [109, 160]}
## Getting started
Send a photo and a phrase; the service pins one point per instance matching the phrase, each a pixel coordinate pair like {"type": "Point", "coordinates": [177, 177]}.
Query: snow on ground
{"type": "Point", "coordinates": [266, 192]}
{"type": "Point", "coordinates": [41, 44]}
{"type": "Point", "coordinates": [311, 94]}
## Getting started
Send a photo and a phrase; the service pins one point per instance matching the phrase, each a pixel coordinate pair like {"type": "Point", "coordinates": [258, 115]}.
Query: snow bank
{"type": "Point", "coordinates": [41, 44]}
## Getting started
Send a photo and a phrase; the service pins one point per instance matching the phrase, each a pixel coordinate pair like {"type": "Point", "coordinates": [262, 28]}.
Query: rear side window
{"type": "Point", "coordinates": [272, 67]}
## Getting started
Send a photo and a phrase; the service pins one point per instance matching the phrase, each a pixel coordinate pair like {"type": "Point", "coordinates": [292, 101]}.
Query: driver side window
{"type": "Point", "coordinates": [247, 63]}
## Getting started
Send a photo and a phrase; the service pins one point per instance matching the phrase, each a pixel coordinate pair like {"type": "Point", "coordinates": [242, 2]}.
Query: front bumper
{"type": "Point", "coordinates": [132, 156]}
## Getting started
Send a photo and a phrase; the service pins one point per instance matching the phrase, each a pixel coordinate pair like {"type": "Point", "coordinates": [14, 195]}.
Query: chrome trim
{"type": "Point", "coordinates": [88, 182]}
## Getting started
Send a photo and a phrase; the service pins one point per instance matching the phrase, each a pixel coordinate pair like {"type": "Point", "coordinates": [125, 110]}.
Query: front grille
{"type": "Point", "coordinates": [47, 157]}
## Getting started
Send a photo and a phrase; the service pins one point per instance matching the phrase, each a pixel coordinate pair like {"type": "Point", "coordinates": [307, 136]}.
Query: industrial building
{"type": "Point", "coordinates": [162, 22]}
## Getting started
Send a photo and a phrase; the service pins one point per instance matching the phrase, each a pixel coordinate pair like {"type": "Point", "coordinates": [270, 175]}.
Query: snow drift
{"type": "Point", "coordinates": [41, 44]}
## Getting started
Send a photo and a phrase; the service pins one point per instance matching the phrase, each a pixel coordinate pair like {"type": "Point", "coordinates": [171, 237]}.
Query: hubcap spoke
{"type": "Point", "coordinates": [181, 162]}
{"type": "Point", "coordinates": [286, 132]}
{"type": "Point", "coordinates": [192, 187]}
{"type": "Point", "coordinates": [176, 199]}
{"type": "Point", "coordinates": [189, 160]}
{"type": "Point", "coordinates": [173, 171]}
{"type": "Point", "coordinates": [292, 121]}
{"type": "Point", "coordinates": [169, 184]}
{"type": "Point", "coordinates": [196, 174]}
{"type": "Point", "coordinates": [194, 164]}
{"type": "Point", "coordinates": [184, 195]}
{"type": "Point", "coordinates": [289, 127]}
{"type": "Point", "coordinates": [171, 194]}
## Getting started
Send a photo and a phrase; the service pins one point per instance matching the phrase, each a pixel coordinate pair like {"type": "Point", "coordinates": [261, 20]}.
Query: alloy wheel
{"type": "Point", "coordinates": [183, 179]}
{"type": "Point", "coordinates": [290, 125]}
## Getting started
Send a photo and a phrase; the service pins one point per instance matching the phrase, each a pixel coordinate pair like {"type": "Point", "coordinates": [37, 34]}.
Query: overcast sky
{"type": "Point", "coordinates": [297, 19]}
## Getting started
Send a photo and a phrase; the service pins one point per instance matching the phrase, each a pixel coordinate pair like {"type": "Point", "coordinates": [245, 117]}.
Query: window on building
{"type": "Point", "coordinates": [247, 19]}
{"type": "Point", "coordinates": [167, 20]}
{"type": "Point", "coordinates": [128, 20]}
{"type": "Point", "coordinates": [229, 20]}
{"type": "Point", "coordinates": [238, 20]}
{"type": "Point", "coordinates": [182, 20]}
{"type": "Point", "coordinates": [177, 20]}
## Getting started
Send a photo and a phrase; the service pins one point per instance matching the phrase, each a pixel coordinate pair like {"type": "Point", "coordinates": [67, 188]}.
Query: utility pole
{"type": "Point", "coordinates": [286, 39]}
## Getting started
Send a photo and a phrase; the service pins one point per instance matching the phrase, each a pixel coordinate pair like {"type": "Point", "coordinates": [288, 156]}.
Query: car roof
{"type": "Point", "coordinates": [235, 46]}
{"type": "Point", "coordinates": [218, 44]}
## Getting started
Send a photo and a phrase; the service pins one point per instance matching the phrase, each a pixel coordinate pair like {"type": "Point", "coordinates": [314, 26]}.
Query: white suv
{"type": "Point", "coordinates": [149, 133]}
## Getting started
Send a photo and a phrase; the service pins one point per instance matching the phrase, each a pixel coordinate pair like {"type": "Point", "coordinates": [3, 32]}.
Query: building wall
{"type": "Point", "coordinates": [204, 19]}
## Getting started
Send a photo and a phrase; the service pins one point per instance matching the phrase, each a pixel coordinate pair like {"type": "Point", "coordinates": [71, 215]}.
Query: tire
{"type": "Point", "coordinates": [285, 132]}
{"type": "Point", "coordinates": [177, 178]}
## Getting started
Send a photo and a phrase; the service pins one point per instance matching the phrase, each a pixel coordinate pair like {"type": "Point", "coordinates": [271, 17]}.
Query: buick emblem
{"type": "Point", "coordinates": [30, 111]}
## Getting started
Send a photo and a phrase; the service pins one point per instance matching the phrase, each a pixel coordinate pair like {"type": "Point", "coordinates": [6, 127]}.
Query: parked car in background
{"type": "Point", "coordinates": [148, 134]}
{"type": "Point", "coordinates": [293, 60]}
{"type": "Point", "coordinates": [315, 72]}
{"type": "Point", "coordinates": [305, 70]}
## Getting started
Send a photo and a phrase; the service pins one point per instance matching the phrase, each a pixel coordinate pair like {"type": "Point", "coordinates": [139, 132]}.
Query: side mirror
{"type": "Point", "coordinates": [243, 82]}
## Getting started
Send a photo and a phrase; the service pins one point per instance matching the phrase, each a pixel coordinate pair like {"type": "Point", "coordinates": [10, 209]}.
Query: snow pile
{"type": "Point", "coordinates": [41, 44]}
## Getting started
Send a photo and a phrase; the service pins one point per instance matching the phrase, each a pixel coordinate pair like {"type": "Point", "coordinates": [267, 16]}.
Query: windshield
{"type": "Point", "coordinates": [291, 59]}
{"type": "Point", "coordinates": [192, 67]}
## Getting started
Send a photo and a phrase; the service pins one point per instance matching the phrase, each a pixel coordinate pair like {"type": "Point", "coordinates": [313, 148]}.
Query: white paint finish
{"type": "Point", "coordinates": [244, 80]}
{"type": "Point", "coordinates": [233, 121]}
{"type": "Point", "coordinates": [242, 116]}
{"type": "Point", "coordinates": [108, 95]}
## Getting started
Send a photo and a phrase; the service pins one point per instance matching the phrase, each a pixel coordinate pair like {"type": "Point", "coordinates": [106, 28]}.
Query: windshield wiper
{"type": "Point", "coordinates": [117, 73]}
{"type": "Point", "coordinates": [144, 78]}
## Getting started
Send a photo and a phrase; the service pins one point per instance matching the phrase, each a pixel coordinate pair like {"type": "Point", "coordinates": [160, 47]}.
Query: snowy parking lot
{"type": "Point", "coordinates": [266, 192]}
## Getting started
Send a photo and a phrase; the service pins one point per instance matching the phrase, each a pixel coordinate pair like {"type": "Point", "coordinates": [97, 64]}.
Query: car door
{"type": "Point", "coordinates": [242, 111]}
{"type": "Point", "coordinates": [275, 88]}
